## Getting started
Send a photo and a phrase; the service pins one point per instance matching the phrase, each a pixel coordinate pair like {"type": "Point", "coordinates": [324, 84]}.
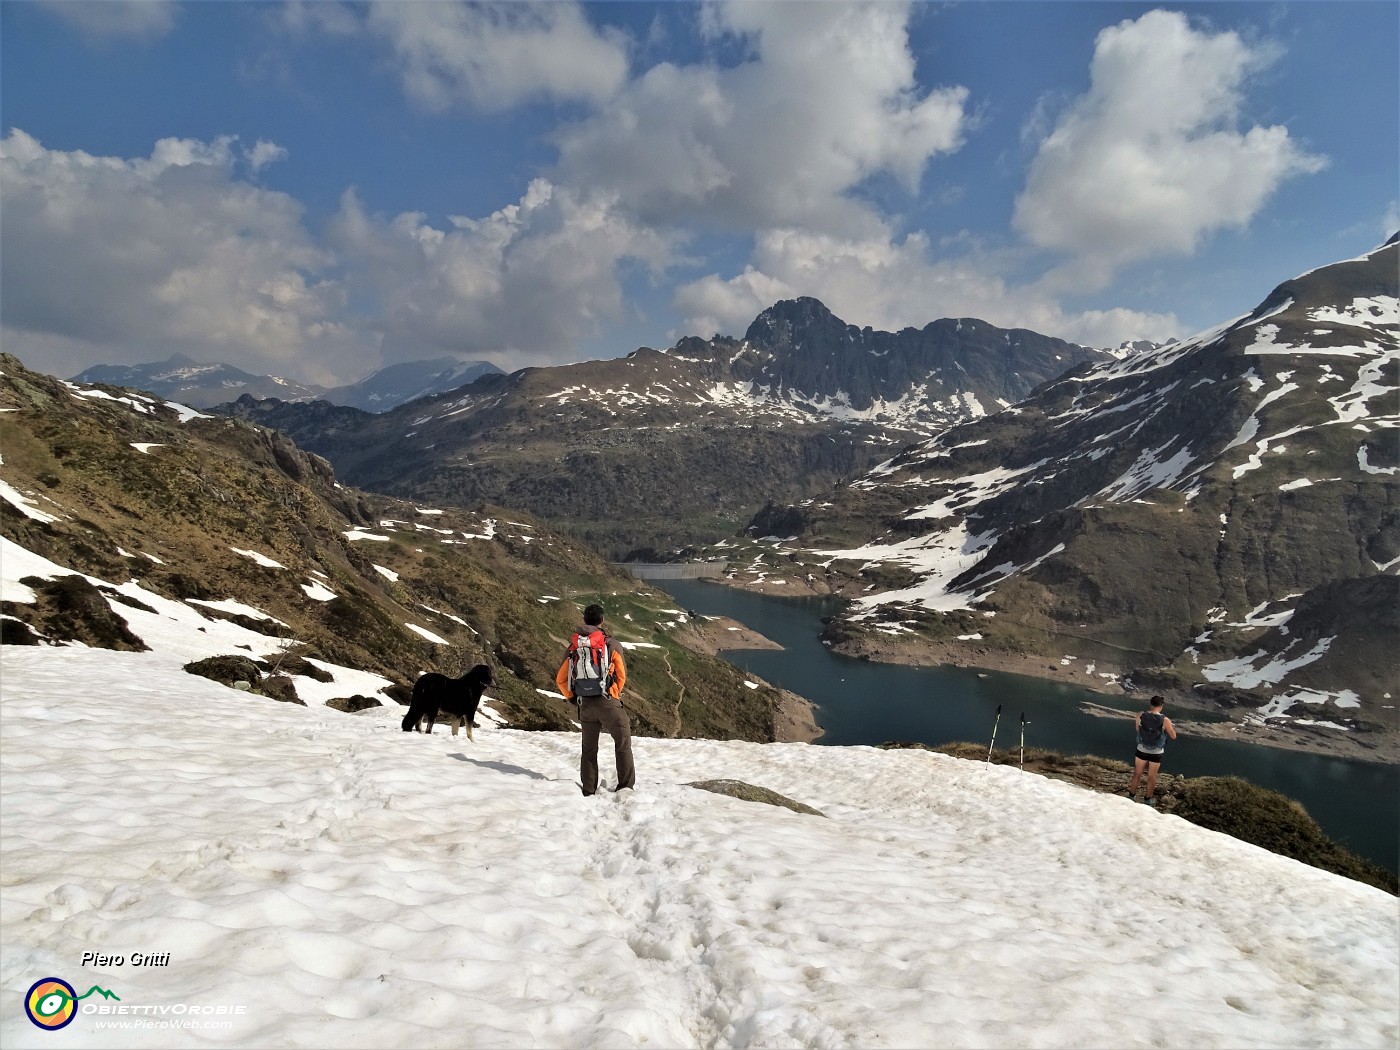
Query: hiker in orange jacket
{"type": "Point", "coordinates": [598, 713]}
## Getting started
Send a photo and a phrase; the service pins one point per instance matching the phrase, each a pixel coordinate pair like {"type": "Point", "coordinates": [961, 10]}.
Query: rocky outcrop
{"type": "Point", "coordinates": [752, 793]}
{"type": "Point", "coordinates": [798, 346]}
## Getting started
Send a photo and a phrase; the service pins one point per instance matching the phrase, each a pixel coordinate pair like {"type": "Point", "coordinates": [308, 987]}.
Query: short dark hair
{"type": "Point", "coordinates": [593, 615]}
{"type": "Point", "coordinates": [1156, 701]}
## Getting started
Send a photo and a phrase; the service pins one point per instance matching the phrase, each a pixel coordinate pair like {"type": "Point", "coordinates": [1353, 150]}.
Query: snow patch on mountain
{"type": "Point", "coordinates": [938, 558]}
{"type": "Point", "coordinates": [1363, 461]}
{"type": "Point", "coordinates": [1244, 674]}
{"type": "Point", "coordinates": [237, 608]}
{"type": "Point", "coordinates": [1266, 344]}
{"type": "Point", "coordinates": [1379, 310]}
{"type": "Point", "coordinates": [25, 504]}
{"type": "Point", "coordinates": [1371, 383]}
{"type": "Point", "coordinates": [425, 633]}
{"type": "Point", "coordinates": [318, 591]}
{"type": "Point", "coordinates": [972, 489]}
{"type": "Point", "coordinates": [261, 559]}
{"type": "Point", "coordinates": [1150, 472]}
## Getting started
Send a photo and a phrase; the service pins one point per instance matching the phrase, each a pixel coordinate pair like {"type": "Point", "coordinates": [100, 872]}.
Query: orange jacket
{"type": "Point", "coordinates": [617, 673]}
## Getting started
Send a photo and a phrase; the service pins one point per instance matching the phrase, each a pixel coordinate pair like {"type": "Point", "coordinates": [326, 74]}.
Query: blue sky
{"type": "Point", "coordinates": [319, 189]}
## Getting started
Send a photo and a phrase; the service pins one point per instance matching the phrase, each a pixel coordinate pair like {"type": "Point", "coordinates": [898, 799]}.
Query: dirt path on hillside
{"type": "Point", "coordinates": [680, 695]}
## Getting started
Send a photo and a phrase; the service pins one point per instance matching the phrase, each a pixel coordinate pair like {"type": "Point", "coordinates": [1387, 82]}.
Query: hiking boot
{"type": "Point", "coordinates": [1151, 801]}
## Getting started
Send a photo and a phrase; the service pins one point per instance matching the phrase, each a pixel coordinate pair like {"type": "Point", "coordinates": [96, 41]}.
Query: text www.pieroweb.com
{"type": "Point", "coordinates": [179, 1017]}
{"type": "Point", "coordinates": [179, 1023]}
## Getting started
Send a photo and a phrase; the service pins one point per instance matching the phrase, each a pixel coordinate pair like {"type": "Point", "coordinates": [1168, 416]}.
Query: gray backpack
{"type": "Point", "coordinates": [1151, 731]}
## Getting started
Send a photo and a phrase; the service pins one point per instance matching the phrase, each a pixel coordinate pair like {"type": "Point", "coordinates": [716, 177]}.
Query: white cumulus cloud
{"type": "Point", "coordinates": [1151, 160]}
{"type": "Point", "coordinates": [825, 98]}
{"type": "Point", "coordinates": [890, 283]}
{"type": "Point", "coordinates": [496, 56]}
{"type": "Point", "coordinates": [524, 285]}
{"type": "Point", "coordinates": [128, 260]}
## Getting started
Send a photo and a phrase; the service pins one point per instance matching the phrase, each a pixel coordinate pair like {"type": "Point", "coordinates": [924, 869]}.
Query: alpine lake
{"type": "Point", "coordinates": [862, 702]}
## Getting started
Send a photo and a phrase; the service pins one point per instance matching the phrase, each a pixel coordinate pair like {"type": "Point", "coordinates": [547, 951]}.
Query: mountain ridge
{"type": "Point", "coordinates": [596, 447]}
{"type": "Point", "coordinates": [204, 385]}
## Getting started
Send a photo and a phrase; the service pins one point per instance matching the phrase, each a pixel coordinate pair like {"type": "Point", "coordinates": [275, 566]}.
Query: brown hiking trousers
{"type": "Point", "coordinates": [596, 716]}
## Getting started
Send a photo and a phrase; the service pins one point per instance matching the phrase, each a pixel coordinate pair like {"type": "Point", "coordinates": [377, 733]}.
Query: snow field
{"type": "Point", "coordinates": [356, 886]}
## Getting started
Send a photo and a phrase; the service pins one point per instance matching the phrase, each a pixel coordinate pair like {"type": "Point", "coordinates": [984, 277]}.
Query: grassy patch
{"type": "Point", "coordinates": [70, 609]}
{"type": "Point", "coordinates": [1275, 822]}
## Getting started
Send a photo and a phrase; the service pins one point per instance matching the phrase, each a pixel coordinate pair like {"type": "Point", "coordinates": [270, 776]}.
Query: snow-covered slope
{"type": "Point", "coordinates": [331, 881]}
{"type": "Point", "coordinates": [398, 384]}
{"type": "Point", "coordinates": [197, 383]}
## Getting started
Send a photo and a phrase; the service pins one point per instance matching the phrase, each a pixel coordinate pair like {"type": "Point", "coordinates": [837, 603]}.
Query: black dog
{"type": "Point", "coordinates": [457, 698]}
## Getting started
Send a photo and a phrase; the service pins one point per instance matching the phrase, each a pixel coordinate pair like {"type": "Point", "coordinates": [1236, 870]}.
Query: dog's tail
{"type": "Point", "coordinates": [410, 720]}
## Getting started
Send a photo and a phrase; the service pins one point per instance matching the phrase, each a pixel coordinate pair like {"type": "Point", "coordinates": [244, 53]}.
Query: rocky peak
{"type": "Point", "coordinates": [951, 368]}
{"type": "Point", "coordinates": [791, 325]}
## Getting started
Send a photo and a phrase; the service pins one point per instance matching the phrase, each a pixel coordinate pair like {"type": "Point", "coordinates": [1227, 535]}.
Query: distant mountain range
{"type": "Point", "coordinates": [202, 385]}
{"type": "Point", "coordinates": [1220, 515]}
{"type": "Point", "coordinates": [667, 448]}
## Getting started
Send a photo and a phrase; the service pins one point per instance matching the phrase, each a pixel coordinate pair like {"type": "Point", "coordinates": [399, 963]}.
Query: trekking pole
{"type": "Point", "coordinates": [1023, 741]}
{"type": "Point", "coordinates": [994, 735]}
